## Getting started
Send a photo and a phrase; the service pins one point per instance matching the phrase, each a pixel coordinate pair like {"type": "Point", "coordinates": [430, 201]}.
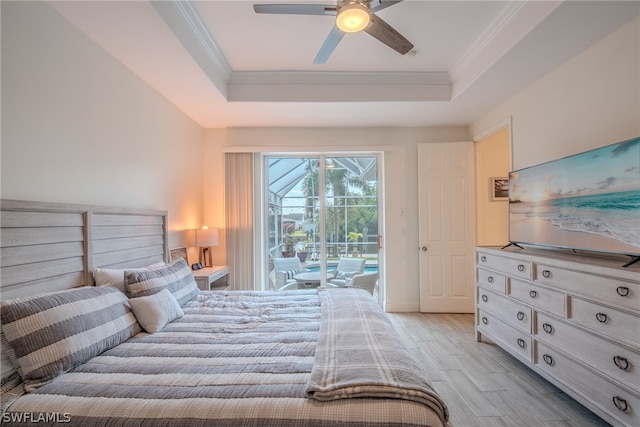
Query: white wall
{"type": "Point", "coordinates": [401, 191]}
{"type": "Point", "coordinates": [78, 127]}
{"type": "Point", "coordinates": [590, 101]}
{"type": "Point", "coordinates": [213, 184]}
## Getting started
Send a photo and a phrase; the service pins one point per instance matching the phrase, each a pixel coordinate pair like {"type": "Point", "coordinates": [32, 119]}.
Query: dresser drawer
{"type": "Point", "coordinates": [600, 288]}
{"type": "Point", "coordinates": [491, 280]}
{"type": "Point", "coordinates": [607, 321]}
{"type": "Point", "coordinates": [615, 361]}
{"type": "Point", "coordinates": [543, 298]}
{"type": "Point", "coordinates": [516, 342]}
{"type": "Point", "coordinates": [505, 309]}
{"type": "Point", "coordinates": [609, 397]}
{"type": "Point", "coordinates": [513, 267]}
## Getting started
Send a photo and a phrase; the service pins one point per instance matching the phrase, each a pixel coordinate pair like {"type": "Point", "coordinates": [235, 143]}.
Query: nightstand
{"type": "Point", "coordinates": [212, 278]}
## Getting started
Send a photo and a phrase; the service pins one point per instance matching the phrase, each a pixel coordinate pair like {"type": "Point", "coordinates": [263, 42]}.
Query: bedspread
{"type": "Point", "coordinates": [238, 358]}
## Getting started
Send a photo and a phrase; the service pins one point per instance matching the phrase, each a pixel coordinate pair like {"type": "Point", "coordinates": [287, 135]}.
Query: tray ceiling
{"type": "Point", "coordinates": [224, 65]}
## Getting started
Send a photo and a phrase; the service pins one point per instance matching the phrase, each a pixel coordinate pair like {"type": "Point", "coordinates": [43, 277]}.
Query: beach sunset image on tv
{"type": "Point", "coordinates": [586, 201]}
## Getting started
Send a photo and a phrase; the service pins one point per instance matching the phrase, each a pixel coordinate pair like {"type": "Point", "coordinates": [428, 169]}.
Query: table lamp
{"type": "Point", "coordinates": [205, 238]}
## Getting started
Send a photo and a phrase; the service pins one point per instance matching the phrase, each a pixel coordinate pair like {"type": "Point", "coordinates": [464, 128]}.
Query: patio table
{"type": "Point", "coordinates": [310, 280]}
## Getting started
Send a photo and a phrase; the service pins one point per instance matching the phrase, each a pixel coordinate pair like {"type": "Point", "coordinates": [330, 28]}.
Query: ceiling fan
{"type": "Point", "coordinates": [351, 16]}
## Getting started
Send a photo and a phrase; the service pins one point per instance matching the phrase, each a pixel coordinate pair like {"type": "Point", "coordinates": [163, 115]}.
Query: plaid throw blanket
{"type": "Point", "coordinates": [360, 355]}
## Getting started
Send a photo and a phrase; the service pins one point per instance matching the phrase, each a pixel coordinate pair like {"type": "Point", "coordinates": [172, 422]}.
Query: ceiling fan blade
{"type": "Point", "coordinates": [377, 5]}
{"type": "Point", "coordinates": [295, 9]}
{"type": "Point", "coordinates": [329, 45]}
{"type": "Point", "coordinates": [388, 35]}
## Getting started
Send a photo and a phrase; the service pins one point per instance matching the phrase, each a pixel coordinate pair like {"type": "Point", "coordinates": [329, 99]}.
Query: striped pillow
{"type": "Point", "coordinates": [176, 277]}
{"type": "Point", "coordinates": [49, 334]}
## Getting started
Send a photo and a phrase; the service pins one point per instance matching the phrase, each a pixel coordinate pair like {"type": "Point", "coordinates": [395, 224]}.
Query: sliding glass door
{"type": "Point", "coordinates": [319, 210]}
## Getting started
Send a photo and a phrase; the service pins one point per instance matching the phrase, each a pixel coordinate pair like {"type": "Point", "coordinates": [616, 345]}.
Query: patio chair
{"type": "Point", "coordinates": [366, 281]}
{"type": "Point", "coordinates": [347, 267]}
{"type": "Point", "coordinates": [285, 269]}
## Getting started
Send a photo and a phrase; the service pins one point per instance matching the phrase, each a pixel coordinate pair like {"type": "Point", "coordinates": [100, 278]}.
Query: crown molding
{"type": "Point", "coordinates": [515, 21]}
{"type": "Point", "coordinates": [495, 128]}
{"type": "Point", "coordinates": [185, 21]}
{"type": "Point", "coordinates": [288, 149]}
{"type": "Point", "coordinates": [339, 77]}
{"type": "Point", "coordinates": [310, 86]}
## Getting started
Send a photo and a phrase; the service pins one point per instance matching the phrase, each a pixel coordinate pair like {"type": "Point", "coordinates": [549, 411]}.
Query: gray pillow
{"type": "Point", "coordinates": [176, 277]}
{"type": "Point", "coordinates": [49, 334]}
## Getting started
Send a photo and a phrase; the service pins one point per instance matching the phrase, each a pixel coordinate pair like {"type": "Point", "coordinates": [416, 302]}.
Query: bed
{"type": "Point", "coordinates": [160, 352]}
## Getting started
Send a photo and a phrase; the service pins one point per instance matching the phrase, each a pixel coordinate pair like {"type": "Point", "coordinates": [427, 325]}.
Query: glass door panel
{"type": "Point", "coordinates": [352, 208]}
{"type": "Point", "coordinates": [292, 216]}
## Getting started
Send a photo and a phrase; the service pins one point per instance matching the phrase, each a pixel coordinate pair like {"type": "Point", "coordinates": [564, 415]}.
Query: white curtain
{"type": "Point", "coordinates": [239, 219]}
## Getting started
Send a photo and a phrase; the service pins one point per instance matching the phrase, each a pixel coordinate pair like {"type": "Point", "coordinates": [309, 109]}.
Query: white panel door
{"type": "Point", "coordinates": [446, 227]}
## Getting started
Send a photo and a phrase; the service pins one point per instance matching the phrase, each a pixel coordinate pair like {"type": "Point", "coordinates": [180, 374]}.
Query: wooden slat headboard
{"type": "Point", "coordinates": [46, 247]}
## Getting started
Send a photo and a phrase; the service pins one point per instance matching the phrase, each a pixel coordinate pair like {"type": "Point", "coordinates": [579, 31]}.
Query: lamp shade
{"type": "Point", "coordinates": [206, 237]}
{"type": "Point", "coordinates": [353, 17]}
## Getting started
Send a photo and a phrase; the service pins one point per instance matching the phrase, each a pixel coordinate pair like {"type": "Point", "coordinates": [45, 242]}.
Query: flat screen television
{"type": "Point", "coordinates": [588, 201]}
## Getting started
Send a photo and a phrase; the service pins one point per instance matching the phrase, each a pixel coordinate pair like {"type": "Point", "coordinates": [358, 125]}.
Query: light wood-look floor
{"type": "Point", "coordinates": [481, 383]}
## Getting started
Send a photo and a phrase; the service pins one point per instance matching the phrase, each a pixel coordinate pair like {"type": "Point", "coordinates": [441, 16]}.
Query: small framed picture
{"type": "Point", "coordinates": [499, 188]}
{"type": "Point", "coordinates": [179, 252]}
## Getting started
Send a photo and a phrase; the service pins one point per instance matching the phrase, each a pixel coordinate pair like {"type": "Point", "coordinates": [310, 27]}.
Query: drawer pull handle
{"type": "Point", "coordinates": [483, 258]}
{"type": "Point", "coordinates": [548, 359]}
{"type": "Point", "coordinates": [546, 274]}
{"type": "Point", "coordinates": [520, 267]}
{"type": "Point", "coordinates": [521, 343]}
{"type": "Point", "coordinates": [485, 320]}
{"type": "Point", "coordinates": [533, 294]}
{"type": "Point", "coordinates": [621, 362]}
{"type": "Point", "coordinates": [623, 291]}
{"type": "Point", "coordinates": [485, 298]}
{"type": "Point", "coordinates": [547, 328]}
{"type": "Point", "coordinates": [520, 315]}
{"type": "Point", "coordinates": [490, 279]}
{"type": "Point", "coordinates": [620, 403]}
{"type": "Point", "coordinates": [602, 317]}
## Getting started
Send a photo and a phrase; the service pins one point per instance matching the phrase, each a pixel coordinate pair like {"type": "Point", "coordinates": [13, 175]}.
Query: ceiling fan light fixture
{"type": "Point", "coordinates": [352, 17]}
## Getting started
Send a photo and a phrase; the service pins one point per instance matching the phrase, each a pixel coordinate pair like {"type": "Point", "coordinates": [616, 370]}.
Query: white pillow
{"type": "Point", "coordinates": [115, 276]}
{"type": "Point", "coordinates": [155, 311]}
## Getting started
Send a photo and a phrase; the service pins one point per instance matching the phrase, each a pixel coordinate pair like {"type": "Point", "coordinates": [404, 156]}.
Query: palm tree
{"type": "Point", "coordinates": [339, 181]}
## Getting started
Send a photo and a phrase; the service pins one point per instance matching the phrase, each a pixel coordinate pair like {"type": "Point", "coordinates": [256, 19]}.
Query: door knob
{"type": "Point", "coordinates": [423, 249]}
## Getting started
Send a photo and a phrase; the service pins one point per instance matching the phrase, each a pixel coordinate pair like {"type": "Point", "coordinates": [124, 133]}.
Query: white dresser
{"type": "Point", "coordinates": [573, 318]}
